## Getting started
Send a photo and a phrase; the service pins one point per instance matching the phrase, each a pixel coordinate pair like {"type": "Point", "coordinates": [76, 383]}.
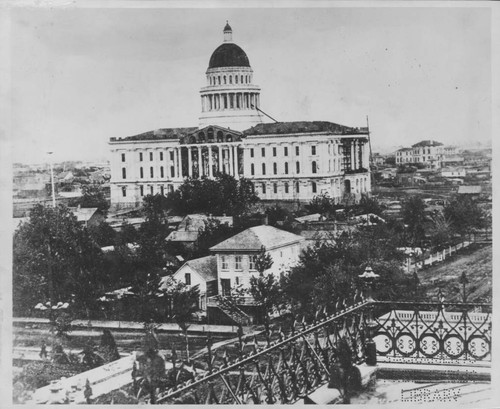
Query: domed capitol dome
{"type": "Point", "coordinates": [230, 98]}
{"type": "Point", "coordinates": [228, 55]}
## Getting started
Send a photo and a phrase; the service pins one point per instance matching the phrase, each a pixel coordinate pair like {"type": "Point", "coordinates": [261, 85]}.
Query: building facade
{"type": "Point", "coordinates": [429, 153]}
{"type": "Point", "coordinates": [285, 160]}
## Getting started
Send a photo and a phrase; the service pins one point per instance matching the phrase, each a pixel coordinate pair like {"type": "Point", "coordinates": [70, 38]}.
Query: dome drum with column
{"type": "Point", "coordinates": [230, 98]}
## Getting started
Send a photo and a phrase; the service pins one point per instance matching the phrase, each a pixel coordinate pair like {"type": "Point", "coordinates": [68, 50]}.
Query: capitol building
{"type": "Point", "coordinates": [286, 161]}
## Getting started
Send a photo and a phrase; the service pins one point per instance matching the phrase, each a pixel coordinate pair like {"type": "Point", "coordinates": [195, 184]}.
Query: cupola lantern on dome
{"type": "Point", "coordinates": [228, 33]}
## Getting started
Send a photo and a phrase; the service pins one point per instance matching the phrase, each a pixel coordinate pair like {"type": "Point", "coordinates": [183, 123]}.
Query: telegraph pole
{"type": "Point", "coordinates": [52, 180]}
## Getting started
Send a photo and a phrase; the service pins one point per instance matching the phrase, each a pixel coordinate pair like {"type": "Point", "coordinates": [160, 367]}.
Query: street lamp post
{"type": "Point", "coordinates": [52, 180]}
{"type": "Point", "coordinates": [368, 277]}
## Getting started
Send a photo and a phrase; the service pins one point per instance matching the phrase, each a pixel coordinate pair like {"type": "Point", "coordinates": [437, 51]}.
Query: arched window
{"type": "Point", "coordinates": [297, 166]}
{"type": "Point", "coordinates": [313, 187]}
{"type": "Point", "coordinates": [242, 79]}
{"type": "Point", "coordinates": [264, 188]}
{"type": "Point", "coordinates": [220, 136]}
{"type": "Point", "coordinates": [230, 79]}
{"type": "Point", "coordinates": [275, 168]}
{"type": "Point", "coordinates": [235, 79]}
{"type": "Point", "coordinates": [297, 187]}
{"type": "Point", "coordinates": [286, 187]}
{"type": "Point", "coordinates": [263, 168]}
{"type": "Point", "coordinates": [225, 80]}
{"type": "Point", "coordinates": [286, 168]}
{"type": "Point", "coordinates": [210, 134]}
{"type": "Point", "coordinates": [219, 79]}
{"type": "Point", "coordinates": [201, 137]}
{"type": "Point", "coordinates": [314, 168]}
{"type": "Point", "coordinates": [229, 138]}
{"type": "Point", "coordinates": [192, 139]}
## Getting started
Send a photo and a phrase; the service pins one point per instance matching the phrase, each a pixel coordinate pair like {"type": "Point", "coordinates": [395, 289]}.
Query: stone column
{"type": "Point", "coordinates": [219, 150]}
{"type": "Point", "coordinates": [236, 170]}
{"type": "Point", "coordinates": [231, 160]}
{"type": "Point", "coordinates": [200, 163]}
{"type": "Point", "coordinates": [210, 170]}
{"type": "Point", "coordinates": [190, 162]}
{"type": "Point", "coordinates": [180, 162]}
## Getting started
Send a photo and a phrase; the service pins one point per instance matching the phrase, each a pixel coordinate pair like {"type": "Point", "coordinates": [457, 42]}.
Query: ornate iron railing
{"type": "Point", "coordinates": [274, 366]}
{"type": "Point", "coordinates": [433, 332]}
{"type": "Point", "coordinates": [283, 365]}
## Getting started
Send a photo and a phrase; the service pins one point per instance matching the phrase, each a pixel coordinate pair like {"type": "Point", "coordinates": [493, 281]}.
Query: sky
{"type": "Point", "coordinates": [81, 75]}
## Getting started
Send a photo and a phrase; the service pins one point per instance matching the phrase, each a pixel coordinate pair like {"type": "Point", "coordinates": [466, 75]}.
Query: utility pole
{"type": "Point", "coordinates": [52, 180]}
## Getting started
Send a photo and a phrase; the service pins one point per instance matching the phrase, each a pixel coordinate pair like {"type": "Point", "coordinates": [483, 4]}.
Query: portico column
{"type": "Point", "coordinates": [190, 162]}
{"type": "Point", "coordinates": [230, 160]}
{"type": "Point", "coordinates": [176, 162]}
{"type": "Point", "coordinates": [353, 165]}
{"type": "Point", "coordinates": [219, 148]}
{"type": "Point", "coordinates": [200, 164]}
{"type": "Point", "coordinates": [210, 170]}
{"type": "Point", "coordinates": [180, 162]}
{"type": "Point", "coordinates": [236, 167]}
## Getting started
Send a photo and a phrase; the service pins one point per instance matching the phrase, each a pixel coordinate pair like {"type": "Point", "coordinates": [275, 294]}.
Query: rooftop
{"type": "Point", "coordinates": [303, 127]}
{"type": "Point", "coordinates": [469, 190]}
{"type": "Point", "coordinates": [254, 238]}
{"type": "Point", "coordinates": [206, 267]}
{"type": "Point", "coordinates": [158, 134]}
{"type": "Point", "coordinates": [427, 143]}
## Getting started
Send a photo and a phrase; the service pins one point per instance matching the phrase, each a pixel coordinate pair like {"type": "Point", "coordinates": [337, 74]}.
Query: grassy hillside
{"type": "Point", "coordinates": [477, 264]}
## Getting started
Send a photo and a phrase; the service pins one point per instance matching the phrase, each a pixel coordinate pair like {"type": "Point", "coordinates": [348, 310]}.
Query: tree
{"type": "Point", "coordinates": [265, 287]}
{"type": "Point", "coordinates": [441, 231]}
{"type": "Point", "coordinates": [367, 205]}
{"type": "Point", "coordinates": [185, 303]}
{"type": "Point", "coordinates": [103, 234]}
{"type": "Point", "coordinates": [414, 216]}
{"type": "Point", "coordinates": [52, 253]}
{"type": "Point", "coordinates": [464, 215]}
{"type": "Point", "coordinates": [322, 204]}
{"type": "Point", "coordinates": [222, 195]}
{"type": "Point", "coordinates": [212, 233]}
{"type": "Point", "coordinates": [93, 196]}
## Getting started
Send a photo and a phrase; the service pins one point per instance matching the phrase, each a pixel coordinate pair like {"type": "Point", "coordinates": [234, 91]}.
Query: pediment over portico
{"type": "Point", "coordinates": [211, 134]}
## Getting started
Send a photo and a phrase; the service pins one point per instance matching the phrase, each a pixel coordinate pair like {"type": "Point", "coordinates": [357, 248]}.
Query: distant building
{"type": "Point", "coordinates": [453, 173]}
{"type": "Point", "coordinates": [88, 216]}
{"type": "Point", "coordinates": [429, 153]}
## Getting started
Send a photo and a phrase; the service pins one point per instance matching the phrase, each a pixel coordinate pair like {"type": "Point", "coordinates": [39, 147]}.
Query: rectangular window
{"type": "Point", "coordinates": [151, 172]}
{"type": "Point", "coordinates": [251, 261]}
{"type": "Point", "coordinates": [124, 173]}
{"type": "Point", "coordinates": [314, 187]}
{"type": "Point", "coordinates": [187, 278]}
{"type": "Point", "coordinates": [264, 188]}
{"type": "Point", "coordinates": [275, 187]}
{"type": "Point", "coordinates": [141, 170]}
{"type": "Point", "coordinates": [297, 151]}
{"type": "Point", "coordinates": [252, 169]}
{"type": "Point", "coordinates": [286, 187]}
{"type": "Point", "coordinates": [274, 152]}
{"type": "Point", "coordinates": [162, 190]}
{"type": "Point", "coordinates": [161, 155]}
{"type": "Point", "coordinates": [171, 155]}
{"type": "Point", "coordinates": [286, 150]}
{"type": "Point", "coordinates": [313, 150]}
{"type": "Point", "coordinates": [286, 168]}
{"type": "Point", "coordinates": [140, 156]}
{"type": "Point", "coordinates": [141, 188]}
{"type": "Point", "coordinates": [237, 262]}
{"type": "Point", "coordinates": [123, 157]}
{"type": "Point", "coordinates": [263, 152]}
{"type": "Point", "coordinates": [251, 152]}
{"type": "Point", "coordinates": [275, 168]}
{"type": "Point", "coordinates": [297, 166]}
{"type": "Point", "coordinates": [150, 156]}
{"type": "Point", "coordinates": [172, 171]}
{"type": "Point", "coordinates": [237, 279]}
{"type": "Point", "coordinates": [263, 168]}
{"type": "Point", "coordinates": [151, 189]}
{"type": "Point", "coordinates": [224, 262]}
{"type": "Point", "coordinates": [124, 191]}
{"type": "Point", "coordinates": [297, 187]}
{"type": "Point", "coordinates": [161, 171]}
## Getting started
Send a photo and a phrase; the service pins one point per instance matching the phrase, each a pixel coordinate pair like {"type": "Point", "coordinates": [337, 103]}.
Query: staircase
{"type": "Point", "coordinates": [231, 310]}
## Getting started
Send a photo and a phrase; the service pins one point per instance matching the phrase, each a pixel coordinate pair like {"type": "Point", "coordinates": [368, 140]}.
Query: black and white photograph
{"type": "Point", "coordinates": [247, 203]}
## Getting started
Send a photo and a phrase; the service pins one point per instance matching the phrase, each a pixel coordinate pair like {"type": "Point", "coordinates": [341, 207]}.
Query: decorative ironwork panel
{"type": "Point", "coordinates": [428, 332]}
